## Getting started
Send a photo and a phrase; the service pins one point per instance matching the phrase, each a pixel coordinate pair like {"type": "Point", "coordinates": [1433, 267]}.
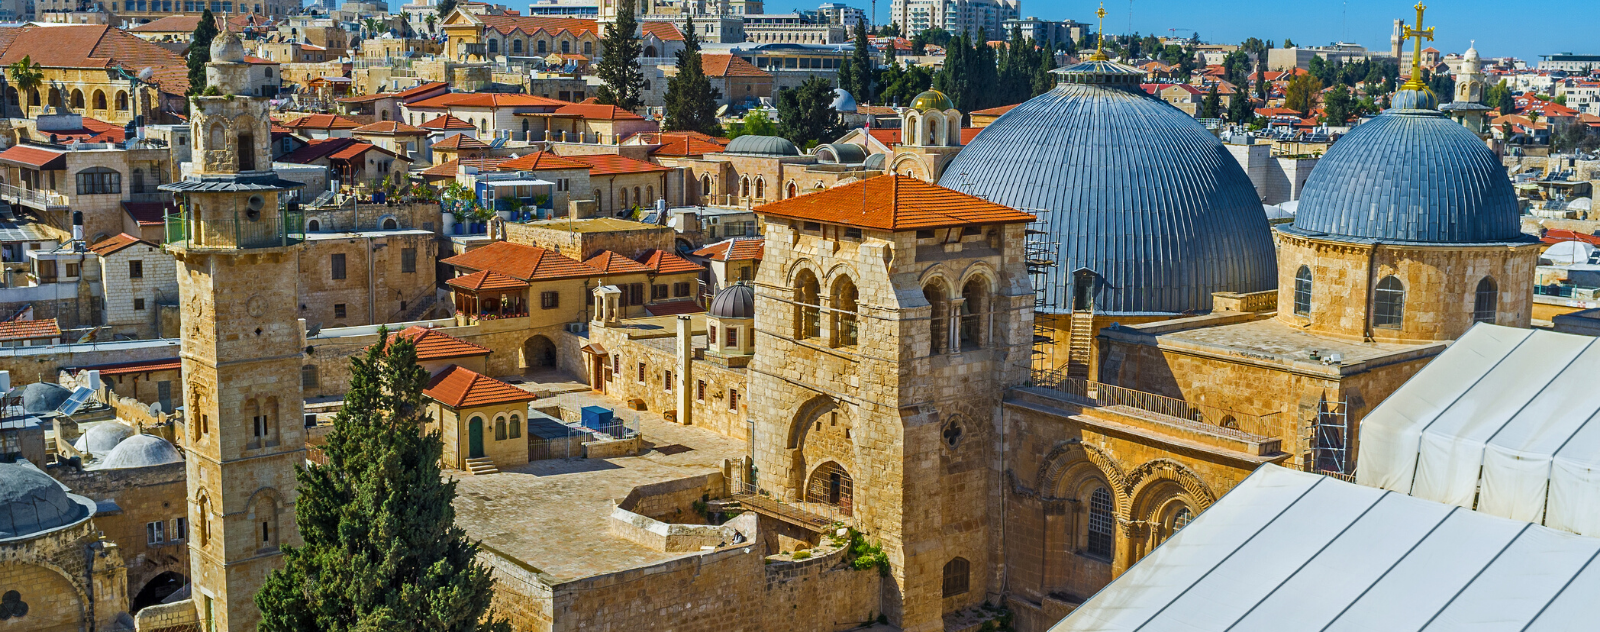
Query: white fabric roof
{"type": "Point", "coordinates": [517, 183]}
{"type": "Point", "coordinates": [1288, 550]}
{"type": "Point", "coordinates": [1568, 252]}
{"type": "Point", "coordinates": [1504, 422]}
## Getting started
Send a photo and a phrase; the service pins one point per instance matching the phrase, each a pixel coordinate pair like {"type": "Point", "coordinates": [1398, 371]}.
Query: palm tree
{"type": "Point", "coordinates": [27, 75]}
{"type": "Point", "coordinates": [405, 18]}
{"type": "Point", "coordinates": [430, 20]}
{"type": "Point", "coordinates": [372, 25]}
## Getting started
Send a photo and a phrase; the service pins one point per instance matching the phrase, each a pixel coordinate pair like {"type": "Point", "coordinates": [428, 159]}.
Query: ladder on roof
{"type": "Point", "coordinates": [1330, 438]}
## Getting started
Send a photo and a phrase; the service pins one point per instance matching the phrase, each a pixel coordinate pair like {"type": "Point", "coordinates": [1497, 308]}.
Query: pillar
{"type": "Point", "coordinates": [685, 370]}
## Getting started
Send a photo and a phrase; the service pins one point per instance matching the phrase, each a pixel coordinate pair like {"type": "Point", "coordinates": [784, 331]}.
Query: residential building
{"type": "Point", "coordinates": [1569, 62]}
{"type": "Point", "coordinates": [353, 163]}
{"type": "Point", "coordinates": [487, 36]}
{"type": "Point", "coordinates": [843, 15]}
{"type": "Point", "coordinates": [94, 179]}
{"type": "Point", "coordinates": [956, 16]}
{"type": "Point", "coordinates": [1048, 33]}
{"type": "Point", "coordinates": [736, 80]}
{"type": "Point", "coordinates": [137, 278]}
{"type": "Point", "coordinates": [792, 28]}
{"type": "Point", "coordinates": [80, 65]}
{"type": "Point", "coordinates": [1283, 59]}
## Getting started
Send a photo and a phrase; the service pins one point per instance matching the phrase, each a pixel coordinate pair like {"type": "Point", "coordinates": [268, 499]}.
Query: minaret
{"type": "Point", "coordinates": [236, 253]}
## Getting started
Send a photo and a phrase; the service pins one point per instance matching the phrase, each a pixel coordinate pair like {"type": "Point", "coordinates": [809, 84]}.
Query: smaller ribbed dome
{"type": "Point", "coordinates": [226, 48]}
{"type": "Point", "coordinates": [103, 438]}
{"type": "Point", "coordinates": [44, 397]}
{"type": "Point", "coordinates": [31, 502]}
{"type": "Point", "coordinates": [762, 145]}
{"type": "Point", "coordinates": [932, 100]}
{"type": "Point", "coordinates": [734, 301]}
{"type": "Point", "coordinates": [140, 451]}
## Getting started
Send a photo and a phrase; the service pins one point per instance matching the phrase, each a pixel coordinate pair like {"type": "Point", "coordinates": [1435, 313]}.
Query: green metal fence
{"type": "Point", "coordinates": [236, 231]}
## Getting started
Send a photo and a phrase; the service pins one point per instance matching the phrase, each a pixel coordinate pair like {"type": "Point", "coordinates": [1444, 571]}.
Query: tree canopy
{"type": "Point", "coordinates": [1211, 105]}
{"type": "Point", "coordinates": [754, 124]}
{"type": "Point", "coordinates": [858, 72]}
{"type": "Point", "coordinates": [1302, 94]}
{"type": "Point", "coordinates": [622, 83]}
{"type": "Point", "coordinates": [691, 102]}
{"type": "Point", "coordinates": [199, 53]}
{"type": "Point", "coordinates": [806, 115]}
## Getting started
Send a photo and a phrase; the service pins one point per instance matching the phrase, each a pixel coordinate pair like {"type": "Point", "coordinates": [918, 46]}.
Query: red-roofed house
{"type": "Point", "coordinates": [622, 185]}
{"type": "Point", "coordinates": [354, 162]}
{"type": "Point", "coordinates": [732, 260]}
{"type": "Point", "coordinates": [134, 275]}
{"type": "Point", "coordinates": [473, 36]}
{"type": "Point", "coordinates": [554, 288]}
{"type": "Point", "coordinates": [735, 79]}
{"type": "Point", "coordinates": [480, 419]}
{"type": "Point", "coordinates": [29, 333]}
{"type": "Point", "coordinates": [321, 126]}
{"type": "Point", "coordinates": [75, 60]}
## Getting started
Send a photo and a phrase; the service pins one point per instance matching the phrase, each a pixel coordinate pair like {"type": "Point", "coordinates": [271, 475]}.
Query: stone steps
{"type": "Point", "coordinates": [482, 466]}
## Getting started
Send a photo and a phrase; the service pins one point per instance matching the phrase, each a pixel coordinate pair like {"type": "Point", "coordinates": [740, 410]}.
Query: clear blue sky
{"type": "Point", "coordinates": [1501, 28]}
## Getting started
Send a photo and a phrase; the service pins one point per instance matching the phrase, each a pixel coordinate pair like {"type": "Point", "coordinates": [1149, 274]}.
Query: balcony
{"type": "Point", "coordinates": [34, 198]}
{"type": "Point", "coordinates": [235, 232]}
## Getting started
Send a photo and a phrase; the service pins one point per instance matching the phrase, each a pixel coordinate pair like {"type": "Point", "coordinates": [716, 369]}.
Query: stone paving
{"type": "Point", "coordinates": [553, 515]}
{"type": "Point", "coordinates": [1272, 337]}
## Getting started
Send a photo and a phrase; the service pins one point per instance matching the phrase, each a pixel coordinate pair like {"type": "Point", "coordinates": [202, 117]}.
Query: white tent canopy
{"type": "Point", "coordinates": [1287, 550]}
{"type": "Point", "coordinates": [1568, 253]}
{"type": "Point", "coordinates": [1506, 421]}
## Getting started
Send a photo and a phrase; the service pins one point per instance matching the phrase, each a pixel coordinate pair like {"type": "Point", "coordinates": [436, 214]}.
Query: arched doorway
{"type": "Point", "coordinates": [475, 438]}
{"type": "Point", "coordinates": [158, 588]}
{"type": "Point", "coordinates": [538, 352]}
{"type": "Point", "coordinates": [831, 484]}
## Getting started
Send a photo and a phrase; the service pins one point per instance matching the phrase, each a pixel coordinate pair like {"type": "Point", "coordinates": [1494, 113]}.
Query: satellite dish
{"type": "Point", "coordinates": [722, 110]}
{"type": "Point", "coordinates": [155, 409]}
{"type": "Point", "coordinates": [147, 73]}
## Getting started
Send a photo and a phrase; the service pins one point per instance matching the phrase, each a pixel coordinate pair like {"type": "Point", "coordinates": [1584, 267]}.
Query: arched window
{"type": "Point", "coordinates": [203, 507]}
{"type": "Point", "coordinates": [650, 194]}
{"type": "Point", "coordinates": [938, 329]}
{"type": "Point", "coordinates": [313, 226]}
{"type": "Point", "coordinates": [390, 224]}
{"type": "Point", "coordinates": [1487, 302]}
{"type": "Point", "coordinates": [266, 519]}
{"type": "Point", "coordinates": [845, 325]}
{"type": "Point", "coordinates": [975, 313]}
{"type": "Point", "coordinates": [99, 181]}
{"type": "Point", "coordinates": [542, 47]}
{"type": "Point", "coordinates": [1302, 291]}
{"type": "Point", "coordinates": [566, 46]}
{"type": "Point", "coordinates": [1102, 524]}
{"type": "Point", "coordinates": [1389, 304]}
{"type": "Point", "coordinates": [499, 428]}
{"type": "Point", "coordinates": [623, 197]}
{"type": "Point", "coordinates": [650, 51]}
{"type": "Point", "coordinates": [705, 190]}
{"type": "Point", "coordinates": [638, 200]}
{"type": "Point", "coordinates": [55, 97]}
{"type": "Point", "coordinates": [516, 426]}
{"type": "Point", "coordinates": [792, 190]}
{"type": "Point", "coordinates": [99, 100]}
{"type": "Point", "coordinates": [77, 99]}
{"type": "Point", "coordinates": [122, 101]}
{"type": "Point", "coordinates": [744, 187]}
{"type": "Point", "coordinates": [494, 45]}
{"type": "Point", "coordinates": [761, 188]}
{"type": "Point", "coordinates": [247, 152]}
{"type": "Point", "coordinates": [516, 47]}
{"type": "Point", "coordinates": [588, 48]}
{"type": "Point", "coordinates": [957, 577]}
{"type": "Point", "coordinates": [217, 137]}
{"type": "Point", "coordinates": [808, 316]}
{"type": "Point", "coordinates": [33, 97]}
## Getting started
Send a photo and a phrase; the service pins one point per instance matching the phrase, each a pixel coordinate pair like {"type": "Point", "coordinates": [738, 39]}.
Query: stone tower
{"type": "Point", "coordinates": [930, 137]}
{"type": "Point", "coordinates": [885, 333]}
{"type": "Point", "coordinates": [236, 256]}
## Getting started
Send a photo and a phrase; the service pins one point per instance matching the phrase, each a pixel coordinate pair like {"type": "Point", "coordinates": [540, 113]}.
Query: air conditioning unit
{"type": "Point", "coordinates": [577, 329]}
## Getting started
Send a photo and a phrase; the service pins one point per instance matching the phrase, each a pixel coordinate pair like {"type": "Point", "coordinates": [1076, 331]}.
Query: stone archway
{"type": "Point", "coordinates": [158, 588]}
{"type": "Point", "coordinates": [831, 484]}
{"type": "Point", "coordinates": [538, 352]}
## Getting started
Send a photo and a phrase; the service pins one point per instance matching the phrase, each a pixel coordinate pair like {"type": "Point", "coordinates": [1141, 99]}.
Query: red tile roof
{"type": "Point", "coordinates": [138, 366]}
{"type": "Point", "coordinates": [459, 387]}
{"type": "Point", "coordinates": [886, 136]}
{"type": "Point", "coordinates": [613, 263]}
{"type": "Point", "coordinates": [507, 24]}
{"type": "Point", "coordinates": [1557, 235]}
{"type": "Point", "coordinates": [321, 121]}
{"type": "Point", "coordinates": [447, 122]}
{"type": "Point", "coordinates": [540, 160]}
{"type": "Point", "coordinates": [664, 31]}
{"type": "Point", "coordinates": [605, 165]}
{"type": "Point", "coordinates": [29, 329]}
{"type": "Point", "coordinates": [895, 203]}
{"type": "Point", "coordinates": [485, 100]}
{"type": "Point", "coordinates": [111, 245]}
{"type": "Point", "coordinates": [91, 130]}
{"type": "Point", "coordinates": [422, 89]}
{"type": "Point", "coordinates": [433, 344]}
{"type": "Point", "coordinates": [395, 128]}
{"type": "Point", "coordinates": [460, 142]}
{"type": "Point", "coordinates": [996, 111]}
{"type": "Point", "coordinates": [93, 46]}
{"type": "Point", "coordinates": [33, 157]}
{"type": "Point", "coordinates": [597, 112]}
{"type": "Point", "coordinates": [682, 143]}
{"type": "Point", "coordinates": [320, 148]}
{"type": "Point", "coordinates": [734, 250]}
{"type": "Point", "coordinates": [365, 98]}
{"type": "Point", "coordinates": [486, 280]}
{"type": "Point", "coordinates": [674, 308]}
{"type": "Point", "coordinates": [729, 66]}
{"type": "Point", "coordinates": [529, 263]}
{"type": "Point", "coordinates": [663, 262]}
{"type": "Point", "coordinates": [171, 24]}
{"type": "Point", "coordinates": [448, 168]}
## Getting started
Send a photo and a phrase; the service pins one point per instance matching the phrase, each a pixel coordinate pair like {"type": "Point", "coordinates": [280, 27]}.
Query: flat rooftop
{"type": "Point", "coordinates": [594, 225]}
{"type": "Point", "coordinates": [555, 515]}
{"type": "Point", "coordinates": [1271, 342]}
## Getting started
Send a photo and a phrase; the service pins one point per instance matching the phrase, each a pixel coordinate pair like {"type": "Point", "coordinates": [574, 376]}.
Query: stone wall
{"type": "Point", "coordinates": [375, 288]}
{"type": "Point", "coordinates": [581, 244]}
{"type": "Point", "coordinates": [41, 364]}
{"type": "Point", "coordinates": [672, 501]}
{"type": "Point", "coordinates": [131, 302]}
{"type": "Point", "coordinates": [723, 406]}
{"type": "Point", "coordinates": [70, 579]}
{"type": "Point", "coordinates": [145, 495]}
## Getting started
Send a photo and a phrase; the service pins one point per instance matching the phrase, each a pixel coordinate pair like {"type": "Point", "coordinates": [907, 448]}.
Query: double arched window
{"type": "Point", "coordinates": [1487, 301]}
{"type": "Point", "coordinates": [1389, 302]}
{"type": "Point", "coordinates": [807, 291]}
{"type": "Point", "coordinates": [1302, 291]}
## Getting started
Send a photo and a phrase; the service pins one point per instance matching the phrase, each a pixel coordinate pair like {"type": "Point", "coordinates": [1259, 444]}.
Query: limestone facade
{"type": "Point", "coordinates": [149, 499]}
{"type": "Point", "coordinates": [371, 277]}
{"type": "Point", "coordinates": [135, 280]}
{"type": "Point", "coordinates": [69, 579]}
{"type": "Point", "coordinates": [584, 239]}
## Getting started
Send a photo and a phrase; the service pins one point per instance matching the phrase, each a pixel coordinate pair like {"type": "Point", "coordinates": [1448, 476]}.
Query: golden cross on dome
{"type": "Point", "coordinates": [1415, 82]}
{"type": "Point", "coordinates": [1100, 35]}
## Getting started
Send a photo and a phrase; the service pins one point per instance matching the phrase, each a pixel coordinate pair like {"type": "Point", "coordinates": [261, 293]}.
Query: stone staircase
{"type": "Point", "coordinates": [481, 466]}
{"type": "Point", "coordinates": [1081, 344]}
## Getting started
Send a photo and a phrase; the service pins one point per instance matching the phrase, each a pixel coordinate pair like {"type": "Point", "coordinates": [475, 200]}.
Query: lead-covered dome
{"type": "Point", "coordinates": [31, 502]}
{"type": "Point", "coordinates": [1410, 175]}
{"type": "Point", "coordinates": [762, 145]}
{"type": "Point", "coordinates": [103, 437]}
{"type": "Point", "coordinates": [1135, 190]}
{"type": "Point", "coordinates": [140, 450]}
{"type": "Point", "coordinates": [734, 301]}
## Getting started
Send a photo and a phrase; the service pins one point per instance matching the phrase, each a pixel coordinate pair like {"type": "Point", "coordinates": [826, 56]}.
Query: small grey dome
{"type": "Point", "coordinates": [140, 450]}
{"type": "Point", "coordinates": [763, 145]}
{"type": "Point", "coordinates": [44, 397]}
{"type": "Point", "coordinates": [31, 502]}
{"type": "Point", "coordinates": [841, 154]}
{"type": "Point", "coordinates": [842, 101]}
{"type": "Point", "coordinates": [734, 301]}
{"type": "Point", "coordinates": [226, 48]}
{"type": "Point", "coordinates": [103, 438]}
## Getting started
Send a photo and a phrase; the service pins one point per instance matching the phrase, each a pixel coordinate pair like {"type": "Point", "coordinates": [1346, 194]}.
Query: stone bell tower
{"type": "Point", "coordinates": [236, 254]}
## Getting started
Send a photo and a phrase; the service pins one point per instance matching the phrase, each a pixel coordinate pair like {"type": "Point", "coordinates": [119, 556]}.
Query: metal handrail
{"type": "Point", "coordinates": [816, 514]}
{"type": "Point", "coordinates": [1235, 424]}
{"type": "Point", "coordinates": [39, 196]}
{"type": "Point", "coordinates": [235, 231]}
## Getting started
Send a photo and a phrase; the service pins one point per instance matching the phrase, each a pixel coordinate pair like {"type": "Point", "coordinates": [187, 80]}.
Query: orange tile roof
{"type": "Point", "coordinates": [460, 387]}
{"type": "Point", "coordinates": [460, 142]}
{"type": "Point", "coordinates": [390, 127]}
{"type": "Point", "coordinates": [29, 329]}
{"type": "Point", "coordinates": [599, 112]}
{"type": "Point", "coordinates": [663, 262]}
{"type": "Point", "coordinates": [664, 31]}
{"type": "Point", "coordinates": [529, 263]}
{"type": "Point", "coordinates": [605, 165]}
{"type": "Point", "coordinates": [734, 250]}
{"type": "Point", "coordinates": [94, 46]}
{"type": "Point", "coordinates": [421, 89]}
{"type": "Point", "coordinates": [35, 157]}
{"type": "Point", "coordinates": [729, 66]}
{"type": "Point", "coordinates": [613, 263]}
{"type": "Point", "coordinates": [485, 100]}
{"type": "Point", "coordinates": [433, 344]}
{"type": "Point", "coordinates": [682, 143]}
{"type": "Point", "coordinates": [507, 24]}
{"type": "Point", "coordinates": [895, 203]}
{"type": "Point", "coordinates": [448, 168]}
{"type": "Point", "coordinates": [171, 24]}
{"type": "Point", "coordinates": [486, 280]}
{"type": "Point", "coordinates": [137, 366]}
{"type": "Point", "coordinates": [111, 245]}
{"type": "Point", "coordinates": [322, 121]}
{"type": "Point", "coordinates": [996, 111]}
{"type": "Point", "coordinates": [540, 160]}
{"type": "Point", "coordinates": [447, 122]}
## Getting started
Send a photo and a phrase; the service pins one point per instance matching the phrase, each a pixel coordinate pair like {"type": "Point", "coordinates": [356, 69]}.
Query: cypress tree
{"type": "Point", "coordinates": [619, 68]}
{"type": "Point", "coordinates": [691, 101]}
{"type": "Point", "coordinates": [381, 549]}
{"type": "Point", "coordinates": [861, 68]}
{"type": "Point", "coordinates": [200, 51]}
{"type": "Point", "coordinates": [1211, 106]}
{"type": "Point", "coordinates": [806, 115]}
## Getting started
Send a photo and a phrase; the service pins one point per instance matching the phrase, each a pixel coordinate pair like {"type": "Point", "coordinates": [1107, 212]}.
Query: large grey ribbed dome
{"type": "Point", "coordinates": [140, 451]}
{"type": "Point", "coordinates": [734, 301]}
{"type": "Point", "coordinates": [762, 145]}
{"type": "Point", "coordinates": [1136, 191]}
{"type": "Point", "coordinates": [104, 437]}
{"type": "Point", "coordinates": [44, 397]}
{"type": "Point", "coordinates": [1410, 175]}
{"type": "Point", "coordinates": [31, 502]}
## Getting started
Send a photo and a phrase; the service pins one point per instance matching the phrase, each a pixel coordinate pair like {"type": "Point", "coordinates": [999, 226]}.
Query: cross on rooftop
{"type": "Point", "coordinates": [1415, 82]}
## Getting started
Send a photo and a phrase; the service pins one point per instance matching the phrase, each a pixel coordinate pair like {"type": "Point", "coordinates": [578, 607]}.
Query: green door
{"type": "Point", "coordinates": [475, 439]}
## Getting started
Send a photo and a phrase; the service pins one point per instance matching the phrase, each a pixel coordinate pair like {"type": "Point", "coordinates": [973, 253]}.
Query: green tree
{"type": "Point", "coordinates": [1240, 109]}
{"type": "Point", "coordinates": [26, 76]}
{"type": "Point", "coordinates": [1211, 106]}
{"type": "Point", "coordinates": [445, 7]}
{"type": "Point", "coordinates": [1236, 68]}
{"type": "Point", "coordinates": [1288, 43]}
{"type": "Point", "coordinates": [1261, 78]}
{"type": "Point", "coordinates": [622, 81]}
{"type": "Point", "coordinates": [754, 124]}
{"type": "Point", "coordinates": [1043, 79]}
{"type": "Point", "coordinates": [806, 115]}
{"type": "Point", "coordinates": [430, 20]}
{"type": "Point", "coordinates": [200, 51]}
{"type": "Point", "coordinates": [1337, 105]}
{"type": "Point", "coordinates": [858, 71]}
{"type": "Point", "coordinates": [691, 101]}
{"type": "Point", "coordinates": [1498, 96]}
{"type": "Point", "coordinates": [1302, 94]}
{"type": "Point", "coordinates": [381, 549]}
{"type": "Point", "coordinates": [969, 76]}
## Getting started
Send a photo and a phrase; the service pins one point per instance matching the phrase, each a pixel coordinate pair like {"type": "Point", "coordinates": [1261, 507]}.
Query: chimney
{"type": "Point", "coordinates": [77, 226]}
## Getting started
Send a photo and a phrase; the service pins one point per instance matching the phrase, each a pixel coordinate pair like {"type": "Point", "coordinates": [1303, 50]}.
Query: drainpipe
{"type": "Point", "coordinates": [685, 370]}
{"type": "Point", "coordinates": [1372, 290]}
{"type": "Point", "coordinates": [372, 306]}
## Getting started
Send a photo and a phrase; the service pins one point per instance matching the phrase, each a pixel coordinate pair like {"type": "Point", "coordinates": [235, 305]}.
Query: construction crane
{"type": "Point", "coordinates": [1174, 32]}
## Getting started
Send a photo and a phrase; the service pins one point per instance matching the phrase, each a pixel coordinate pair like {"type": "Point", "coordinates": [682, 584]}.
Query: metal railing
{"type": "Point", "coordinates": [1238, 425]}
{"type": "Point", "coordinates": [225, 231]}
{"type": "Point", "coordinates": [815, 515]}
{"type": "Point", "coordinates": [34, 196]}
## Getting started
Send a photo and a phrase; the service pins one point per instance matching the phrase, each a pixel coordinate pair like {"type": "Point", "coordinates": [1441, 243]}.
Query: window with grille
{"type": "Point", "coordinates": [635, 293]}
{"type": "Point", "coordinates": [180, 528]}
{"type": "Point", "coordinates": [138, 304]}
{"type": "Point", "coordinates": [1388, 308]}
{"type": "Point", "coordinates": [1302, 291]}
{"type": "Point", "coordinates": [549, 300]}
{"type": "Point", "coordinates": [700, 390]}
{"type": "Point", "coordinates": [1181, 519]}
{"type": "Point", "coordinates": [308, 376]}
{"type": "Point", "coordinates": [658, 292]}
{"type": "Point", "coordinates": [1102, 523]}
{"type": "Point", "coordinates": [336, 263]}
{"type": "Point", "coordinates": [641, 372]}
{"type": "Point", "coordinates": [666, 381]}
{"type": "Point", "coordinates": [680, 289]}
{"type": "Point", "coordinates": [957, 577]}
{"type": "Point", "coordinates": [733, 400]}
{"type": "Point", "coordinates": [135, 269]}
{"type": "Point", "coordinates": [408, 259]}
{"type": "Point", "coordinates": [1487, 302]}
{"type": "Point", "coordinates": [155, 532]}
{"type": "Point", "coordinates": [99, 181]}
{"type": "Point", "coordinates": [338, 310]}
{"type": "Point", "coordinates": [733, 337]}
